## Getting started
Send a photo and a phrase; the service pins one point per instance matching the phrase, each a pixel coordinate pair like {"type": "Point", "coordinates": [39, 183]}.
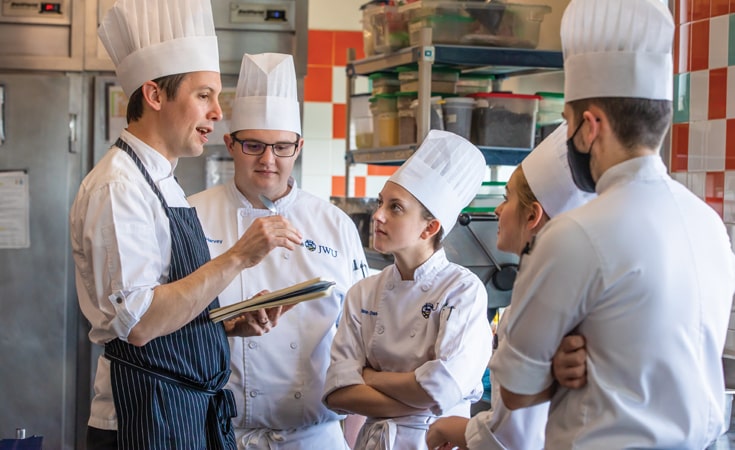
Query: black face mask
{"type": "Point", "coordinates": [579, 164]}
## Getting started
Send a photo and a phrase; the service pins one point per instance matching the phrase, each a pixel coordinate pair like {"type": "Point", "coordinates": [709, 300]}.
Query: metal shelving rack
{"type": "Point", "coordinates": [500, 62]}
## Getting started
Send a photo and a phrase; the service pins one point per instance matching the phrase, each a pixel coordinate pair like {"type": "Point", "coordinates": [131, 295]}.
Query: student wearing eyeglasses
{"type": "Point", "coordinates": [278, 378]}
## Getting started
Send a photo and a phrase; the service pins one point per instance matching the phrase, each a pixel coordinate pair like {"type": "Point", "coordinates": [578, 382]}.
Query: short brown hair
{"type": "Point", "coordinates": [168, 84]}
{"type": "Point", "coordinates": [635, 121]}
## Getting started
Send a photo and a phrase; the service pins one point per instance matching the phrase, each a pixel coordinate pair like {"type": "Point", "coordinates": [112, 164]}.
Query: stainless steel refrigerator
{"type": "Point", "coordinates": [56, 121]}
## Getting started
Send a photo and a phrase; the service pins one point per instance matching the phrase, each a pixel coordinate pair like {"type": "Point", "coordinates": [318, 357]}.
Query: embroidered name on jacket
{"type": "Point", "coordinates": [319, 249]}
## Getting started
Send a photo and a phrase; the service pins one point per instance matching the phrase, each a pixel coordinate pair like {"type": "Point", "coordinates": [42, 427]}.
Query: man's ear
{"type": "Point", "coordinates": [431, 229]}
{"type": "Point", "coordinates": [152, 95]}
{"type": "Point", "coordinates": [229, 143]}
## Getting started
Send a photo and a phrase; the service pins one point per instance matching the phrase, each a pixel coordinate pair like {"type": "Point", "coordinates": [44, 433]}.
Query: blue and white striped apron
{"type": "Point", "coordinates": [169, 393]}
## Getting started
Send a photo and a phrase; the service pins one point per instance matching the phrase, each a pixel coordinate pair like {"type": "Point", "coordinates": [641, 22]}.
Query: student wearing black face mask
{"type": "Point", "coordinates": [645, 272]}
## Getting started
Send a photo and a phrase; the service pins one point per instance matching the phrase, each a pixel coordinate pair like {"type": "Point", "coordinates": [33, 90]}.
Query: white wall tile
{"type": "Point", "coordinates": [336, 160]}
{"type": "Point", "coordinates": [730, 92]}
{"type": "Point", "coordinates": [362, 85]}
{"type": "Point", "coordinates": [321, 186]}
{"type": "Point", "coordinates": [697, 183]}
{"type": "Point", "coordinates": [698, 95]}
{"type": "Point", "coordinates": [681, 177]}
{"type": "Point", "coordinates": [718, 41]}
{"type": "Point", "coordinates": [698, 132]}
{"type": "Point", "coordinates": [728, 212]}
{"type": "Point", "coordinates": [339, 84]}
{"type": "Point", "coordinates": [315, 152]}
{"type": "Point", "coordinates": [374, 185]}
{"type": "Point", "coordinates": [714, 151]}
{"type": "Point", "coordinates": [317, 120]}
{"type": "Point", "coordinates": [335, 15]}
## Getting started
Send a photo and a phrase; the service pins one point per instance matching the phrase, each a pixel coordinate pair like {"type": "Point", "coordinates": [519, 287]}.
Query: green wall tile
{"type": "Point", "coordinates": [681, 97]}
{"type": "Point", "coordinates": [731, 41]}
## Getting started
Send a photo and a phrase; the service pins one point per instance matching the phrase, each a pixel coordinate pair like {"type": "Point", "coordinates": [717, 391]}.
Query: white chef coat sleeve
{"type": "Point", "coordinates": [348, 349]}
{"type": "Point", "coordinates": [551, 295]}
{"type": "Point", "coordinates": [463, 347]}
{"type": "Point", "coordinates": [119, 232]}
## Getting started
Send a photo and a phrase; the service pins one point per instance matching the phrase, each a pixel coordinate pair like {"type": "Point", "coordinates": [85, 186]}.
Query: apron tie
{"type": "Point", "coordinates": [252, 438]}
{"type": "Point", "coordinates": [380, 434]}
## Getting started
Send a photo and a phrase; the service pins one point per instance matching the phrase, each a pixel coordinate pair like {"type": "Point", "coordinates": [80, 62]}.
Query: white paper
{"type": "Point", "coordinates": [14, 210]}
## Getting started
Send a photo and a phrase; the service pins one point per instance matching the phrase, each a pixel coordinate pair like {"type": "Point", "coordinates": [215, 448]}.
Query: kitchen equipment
{"type": "Point", "coordinates": [268, 203]}
{"type": "Point", "coordinates": [504, 275]}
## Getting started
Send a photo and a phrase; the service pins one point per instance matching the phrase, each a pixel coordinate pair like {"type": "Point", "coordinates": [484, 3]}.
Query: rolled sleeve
{"type": "Point", "coordinates": [478, 434]}
{"type": "Point", "coordinates": [518, 373]}
{"type": "Point", "coordinates": [437, 380]}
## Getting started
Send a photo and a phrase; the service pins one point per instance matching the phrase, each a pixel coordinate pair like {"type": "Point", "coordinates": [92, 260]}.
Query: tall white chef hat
{"type": "Point", "coordinates": [266, 97]}
{"type": "Point", "coordinates": [149, 39]}
{"type": "Point", "coordinates": [617, 48]}
{"type": "Point", "coordinates": [547, 171]}
{"type": "Point", "coordinates": [444, 174]}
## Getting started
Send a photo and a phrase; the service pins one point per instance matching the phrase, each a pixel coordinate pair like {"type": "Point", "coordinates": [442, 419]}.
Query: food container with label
{"type": "Point", "coordinates": [473, 83]}
{"type": "Point", "coordinates": [406, 117]}
{"type": "Point", "coordinates": [385, 120]}
{"type": "Point", "coordinates": [504, 120]}
{"type": "Point", "coordinates": [475, 22]}
{"type": "Point", "coordinates": [384, 83]}
{"type": "Point", "coordinates": [384, 29]}
{"type": "Point", "coordinates": [443, 79]}
{"type": "Point", "coordinates": [457, 112]}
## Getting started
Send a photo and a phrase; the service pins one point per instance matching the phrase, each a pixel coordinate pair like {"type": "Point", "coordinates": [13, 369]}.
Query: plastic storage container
{"type": "Point", "coordinates": [384, 29]}
{"type": "Point", "coordinates": [474, 83]}
{"type": "Point", "coordinates": [476, 22]}
{"type": "Point", "coordinates": [385, 120]}
{"type": "Point", "coordinates": [361, 122]}
{"type": "Point", "coordinates": [443, 79]}
{"type": "Point", "coordinates": [489, 196]}
{"type": "Point", "coordinates": [457, 113]}
{"type": "Point", "coordinates": [384, 83]}
{"type": "Point", "coordinates": [436, 115]}
{"type": "Point", "coordinates": [550, 107]}
{"type": "Point", "coordinates": [504, 120]}
{"type": "Point", "coordinates": [406, 117]}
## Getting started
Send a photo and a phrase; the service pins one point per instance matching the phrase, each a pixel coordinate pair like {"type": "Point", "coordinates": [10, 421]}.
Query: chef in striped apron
{"type": "Point", "coordinates": [145, 280]}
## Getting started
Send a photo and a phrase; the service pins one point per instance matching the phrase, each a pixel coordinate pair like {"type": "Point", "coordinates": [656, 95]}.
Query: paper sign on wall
{"type": "Point", "coordinates": [14, 210]}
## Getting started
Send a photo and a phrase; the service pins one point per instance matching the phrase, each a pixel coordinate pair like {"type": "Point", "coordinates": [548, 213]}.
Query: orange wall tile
{"type": "Point", "coordinates": [680, 147]}
{"type": "Point", "coordinates": [699, 47]}
{"type": "Point", "coordinates": [345, 40]}
{"type": "Point", "coordinates": [338, 186]}
{"type": "Point", "coordinates": [320, 47]}
{"type": "Point", "coordinates": [373, 169]}
{"type": "Point", "coordinates": [360, 183]}
{"type": "Point", "coordinates": [700, 9]}
{"type": "Point", "coordinates": [719, 7]}
{"type": "Point", "coordinates": [318, 84]}
{"type": "Point", "coordinates": [339, 120]}
{"type": "Point", "coordinates": [718, 93]}
{"type": "Point", "coordinates": [730, 145]}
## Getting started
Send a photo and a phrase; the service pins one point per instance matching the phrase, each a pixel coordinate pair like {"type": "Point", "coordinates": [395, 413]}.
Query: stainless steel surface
{"type": "Point", "coordinates": [41, 388]}
{"type": "Point", "coordinates": [268, 203]}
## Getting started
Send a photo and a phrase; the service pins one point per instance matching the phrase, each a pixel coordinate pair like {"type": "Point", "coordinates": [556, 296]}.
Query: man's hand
{"type": "Point", "coordinates": [255, 323]}
{"type": "Point", "coordinates": [447, 433]}
{"type": "Point", "coordinates": [569, 366]}
{"type": "Point", "coordinates": [262, 236]}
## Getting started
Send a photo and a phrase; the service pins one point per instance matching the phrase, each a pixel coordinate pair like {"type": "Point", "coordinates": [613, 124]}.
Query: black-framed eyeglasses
{"type": "Point", "coordinates": [257, 148]}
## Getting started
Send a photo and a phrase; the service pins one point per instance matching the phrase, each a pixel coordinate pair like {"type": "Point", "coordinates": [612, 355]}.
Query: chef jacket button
{"type": "Point", "coordinates": [252, 345]}
{"type": "Point", "coordinates": [119, 300]}
{"type": "Point", "coordinates": [389, 286]}
{"type": "Point", "coordinates": [253, 394]}
{"type": "Point", "coordinates": [297, 395]}
{"type": "Point", "coordinates": [425, 288]}
{"type": "Point", "coordinates": [413, 333]}
{"type": "Point", "coordinates": [294, 345]}
{"type": "Point", "coordinates": [380, 329]}
{"type": "Point", "coordinates": [286, 255]}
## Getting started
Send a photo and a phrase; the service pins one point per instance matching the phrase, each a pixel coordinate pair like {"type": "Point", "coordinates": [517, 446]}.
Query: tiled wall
{"type": "Point", "coordinates": [703, 134]}
{"type": "Point", "coordinates": [325, 85]}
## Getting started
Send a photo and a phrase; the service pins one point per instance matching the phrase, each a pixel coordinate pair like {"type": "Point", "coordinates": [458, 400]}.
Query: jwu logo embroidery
{"type": "Point", "coordinates": [319, 249]}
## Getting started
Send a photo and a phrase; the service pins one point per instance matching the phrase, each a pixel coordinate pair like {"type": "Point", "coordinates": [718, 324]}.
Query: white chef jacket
{"type": "Point", "coordinates": [121, 244]}
{"type": "Point", "coordinates": [500, 428]}
{"type": "Point", "coordinates": [645, 273]}
{"type": "Point", "coordinates": [435, 325]}
{"type": "Point", "coordinates": [278, 378]}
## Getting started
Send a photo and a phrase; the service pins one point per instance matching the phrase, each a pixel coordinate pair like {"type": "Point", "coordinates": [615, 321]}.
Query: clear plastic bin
{"type": "Point", "coordinates": [436, 116]}
{"type": "Point", "coordinates": [476, 22]}
{"type": "Point", "coordinates": [489, 196]}
{"type": "Point", "coordinates": [504, 120]}
{"type": "Point", "coordinates": [550, 108]}
{"type": "Point", "coordinates": [384, 103]}
{"type": "Point", "coordinates": [386, 129]}
{"type": "Point", "coordinates": [443, 79]}
{"type": "Point", "coordinates": [385, 27]}
{"type": "Point", "coordinates": [458, 115]}
{"type": "Point", "coordinates": [474, 83]}
{"type": "Point", "coordinates": [361, 122]}
{"type": "Point", "coordinates": [384, 83]}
